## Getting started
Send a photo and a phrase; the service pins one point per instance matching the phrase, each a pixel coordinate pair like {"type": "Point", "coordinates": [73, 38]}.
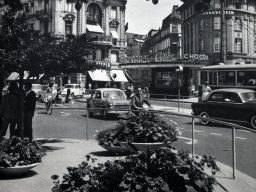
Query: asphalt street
{"type": "Point", "coordinates": [214, 140]}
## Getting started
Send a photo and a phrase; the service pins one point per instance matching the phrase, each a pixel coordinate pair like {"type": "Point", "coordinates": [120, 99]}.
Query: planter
{"type": "Point", "coordinates": [116, 150]}
{"type": "Point", "coordinates": [134, 147]}
{"type": "Point", "coordinates": [17, 170]}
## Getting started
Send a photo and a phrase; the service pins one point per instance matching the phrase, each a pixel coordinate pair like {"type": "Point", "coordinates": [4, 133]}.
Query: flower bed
{"type": "Point", "coordinates": [144, 128]}
{"type": "Point", "coordinates": [19, 152]}
{"type": "Point", "coordinates": [164, 171]}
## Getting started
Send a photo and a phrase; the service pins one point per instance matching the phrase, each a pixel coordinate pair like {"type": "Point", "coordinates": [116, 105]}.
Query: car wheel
{"type": "Point", "coordinates": [204, 118]}
{"type": "Point", "coordinates": [253, 122]}
{"type": "Point", "coordinates": [104, 114]}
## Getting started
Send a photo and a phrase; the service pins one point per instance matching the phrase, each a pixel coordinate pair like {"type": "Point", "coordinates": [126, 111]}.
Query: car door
{"type": "Point", "coordinates": [215, 105]}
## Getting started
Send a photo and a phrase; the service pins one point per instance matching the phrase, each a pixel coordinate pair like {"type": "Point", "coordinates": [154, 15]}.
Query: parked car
{"type": "Point", "coordinates": [107, 101]}
{"type": "Point", "coordinates": [42, 93]}
{"type": "Point", "coordinates": [228, 104]}
{"type": "Point", "coordinates": [37, 88]}
{"type": "Point", "coordinates": [75, 90]}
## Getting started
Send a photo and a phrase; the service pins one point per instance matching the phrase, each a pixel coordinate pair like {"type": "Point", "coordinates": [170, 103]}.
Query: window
{"type": "Point", "coordinates": [166, 79]}
{"type": "Point", "coordinates": [217, 23]}
{"type": "Point", "coordinates": [94, 14]}
{"type": "Point", "coordinates": [68, 27]}
{"type": "Point", "coordinates": [201, 45]}
{"type": "Point", "coordinates": [69, 7]}
{"type": "Point", "coordinates": [114, 57]}
{"type": "Point", "coordinates": [201, 25]}
{"type": "Point", "coordinates": [217, 44]}
{"type": "Point", "coordinates": [113, 13]}
{"type": "Point", "coordinates": [217, 4]}
{"type": "Point", "coordinates": [246, 78]}
{"type": "Point", "coordinates": [238, 45]}
{"type": "Point", "coordinates": [238, 24]}
{"type": "Point", "coordinates": [226, 78]}
{"type": "Point", "coordinates": [217, 97]}
{"type": "Point", "coordinates": [238, 4]}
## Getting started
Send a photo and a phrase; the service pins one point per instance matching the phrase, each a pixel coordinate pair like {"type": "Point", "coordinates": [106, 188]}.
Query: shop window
{"type": "Point", "coordinates": [238, 45]}
{"type": "Point", "coordinates": [217, 23]}
{"type": "Point", "coordinates": [68, 27]}
{"type": "Point", "coordinates": [217, 43]}
{"type": "Point", "coordinates": [226, 78]}
{"type": "Point", "coordinates": [238, 24]}
{"type": "Point", "coordinates": [113, 13]}
{"type": "Point", "coordinates": [166, 79]}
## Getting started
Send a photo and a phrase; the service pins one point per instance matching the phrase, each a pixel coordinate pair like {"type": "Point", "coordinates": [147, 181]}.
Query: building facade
{"type": "Point", "coordinates": [104, 19]}
{"type": "Point", "coordinates": [231, 40]}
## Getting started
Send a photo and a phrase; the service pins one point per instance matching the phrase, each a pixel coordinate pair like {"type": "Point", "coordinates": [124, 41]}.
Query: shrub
{"type": "Point", "coordinates": [144, 128]}
{"type": "Point", "coordinates": [17, 152]}
{"type": "Point", "coordinates": [164, 171]}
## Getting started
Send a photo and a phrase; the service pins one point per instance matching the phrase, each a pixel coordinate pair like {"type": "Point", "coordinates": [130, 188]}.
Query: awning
{"type": "Point", "coordinates": [16, 76]}
{"type": "Point", "coordinates": [118, 76]}
{"type": "Point", "coordinates": [94, 28]}
{"type": "Point", "coordinates": [99, 75]}
{"type": "Point", "coordinates": [114, 34]}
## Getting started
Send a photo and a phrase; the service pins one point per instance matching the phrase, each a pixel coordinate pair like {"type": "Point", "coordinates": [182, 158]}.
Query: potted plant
{"type": "Point", "coordinates": [163, 171]}
{"type": "Point", "coordinates": [18, 155]}
{"type": "Point", "coordinates": [140, 133]}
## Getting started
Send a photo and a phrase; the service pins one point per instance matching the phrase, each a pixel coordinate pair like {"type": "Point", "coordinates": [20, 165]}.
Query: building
{"type": "Point", "coordinates": [234, 42]}
{"type": "Point", "coordinates": [105, 19]}
{"type": "Point", "coordinates": [161, 56]}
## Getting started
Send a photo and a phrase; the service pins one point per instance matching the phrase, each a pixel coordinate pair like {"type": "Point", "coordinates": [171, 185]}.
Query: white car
{"type": "Point", "coordinates": [75, 90]}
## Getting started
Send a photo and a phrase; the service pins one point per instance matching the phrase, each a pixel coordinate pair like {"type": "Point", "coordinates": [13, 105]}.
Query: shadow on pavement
{"type": "Point", "coordinates": [30, 173]}
{"type": "Point", "coordinates": [107, 154]}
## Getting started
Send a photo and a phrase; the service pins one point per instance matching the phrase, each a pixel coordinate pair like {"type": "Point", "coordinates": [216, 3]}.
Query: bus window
{"type": "Point", "coordinates": [226, 78]}
{"type": "Point", "coordinates": [213, 78]}
{"type": "Point", "coordinates": [246, 78]}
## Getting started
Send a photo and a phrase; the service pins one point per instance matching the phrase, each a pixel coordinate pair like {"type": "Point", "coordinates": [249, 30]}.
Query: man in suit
{"type": "Point", "coordinates": [29, 110]}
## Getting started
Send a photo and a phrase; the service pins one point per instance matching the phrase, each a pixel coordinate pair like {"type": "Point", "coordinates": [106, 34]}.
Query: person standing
{"type": "Point", "coordinates": [206, 89]}
{"type": "Point", "coordinates": [29, 110]}
{"type": "Point", "coordinates": [9, 110]}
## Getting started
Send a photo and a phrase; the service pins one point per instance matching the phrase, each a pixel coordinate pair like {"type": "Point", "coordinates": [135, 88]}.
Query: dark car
{"type": "Point", "coordinates": [228, 104]}
{"type": "Point", "coordinates": [107, 101]}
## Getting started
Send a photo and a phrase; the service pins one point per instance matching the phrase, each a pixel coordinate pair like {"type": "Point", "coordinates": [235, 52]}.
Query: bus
{"type": "Point", "coordinates": [228, 76]}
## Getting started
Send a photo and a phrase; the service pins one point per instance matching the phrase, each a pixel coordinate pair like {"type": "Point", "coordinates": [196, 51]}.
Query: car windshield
{"type": "Point", "coordinates": [113, 95]}
{"type": "Point", "coordinates": [69, 86]}
{"type": "Point", "coordinates": [248, 96]}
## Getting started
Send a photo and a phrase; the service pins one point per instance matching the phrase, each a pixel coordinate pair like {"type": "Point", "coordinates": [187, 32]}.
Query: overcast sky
{"type": "Point", "coordinates": [143, 15]}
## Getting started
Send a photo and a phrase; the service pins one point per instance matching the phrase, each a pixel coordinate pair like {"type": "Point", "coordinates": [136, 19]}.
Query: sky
{"type": "Point", "coordinates": [142, 15]}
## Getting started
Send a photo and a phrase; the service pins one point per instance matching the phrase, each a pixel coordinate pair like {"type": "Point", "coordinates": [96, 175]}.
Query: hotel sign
{"type": "Point", "coordinates": [218, 13]}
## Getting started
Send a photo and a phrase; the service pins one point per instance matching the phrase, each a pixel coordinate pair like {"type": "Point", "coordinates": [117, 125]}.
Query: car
{"type": "Point", "coordinates": [107, 101]}
{"type": "Point", "coordinates": [37, 88]}
{"type": "Point", "coordinates": [230, 104]}
{"type": "Point", "coordinates": [75, 90]}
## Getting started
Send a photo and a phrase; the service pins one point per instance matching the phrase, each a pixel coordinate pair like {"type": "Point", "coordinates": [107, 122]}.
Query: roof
{"type": "Point", "coordinates": [244, 66]}
{"type": "Point", "coordinates": [231, 90]}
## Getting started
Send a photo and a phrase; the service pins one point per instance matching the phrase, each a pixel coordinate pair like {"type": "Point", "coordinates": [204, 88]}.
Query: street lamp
{"type": "Point", "coordinates": [179, 70]}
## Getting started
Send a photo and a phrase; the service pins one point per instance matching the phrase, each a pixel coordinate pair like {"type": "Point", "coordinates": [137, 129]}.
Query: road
{"type": "Point", "coordinates": [211, 140]}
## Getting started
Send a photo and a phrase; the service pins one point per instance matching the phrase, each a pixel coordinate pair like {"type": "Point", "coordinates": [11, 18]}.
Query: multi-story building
{"type": "Point", "coordinates": [225, 35]}
{"type": "Point", "coordinates": [105, 19]}
{"type": "Point", "coordinates": [161, 55]}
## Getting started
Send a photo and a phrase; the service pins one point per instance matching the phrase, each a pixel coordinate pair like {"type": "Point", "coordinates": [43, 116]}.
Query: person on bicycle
{"type": "Point", "coordinates": [138, 100]}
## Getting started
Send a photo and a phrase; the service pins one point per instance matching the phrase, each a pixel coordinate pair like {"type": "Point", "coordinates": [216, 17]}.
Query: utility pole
{"type": "Point", "coordinates": [223, 33]}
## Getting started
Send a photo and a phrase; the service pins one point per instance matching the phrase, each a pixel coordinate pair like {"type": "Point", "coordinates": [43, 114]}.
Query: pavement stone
{"type": "Point", "coordinates": [71, 152]}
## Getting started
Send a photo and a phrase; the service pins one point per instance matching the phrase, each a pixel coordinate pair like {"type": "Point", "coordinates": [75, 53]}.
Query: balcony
{"type": "Point", "coordinates": [107, 39]}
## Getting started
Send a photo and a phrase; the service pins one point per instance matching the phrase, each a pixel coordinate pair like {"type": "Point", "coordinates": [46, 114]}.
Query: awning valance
{"type": "Point", "coordinates": [114, 34]}
{"type": "Point", "coordinates": [94, 28]}
{"type": "Point", "coordinates": [99, 75]}
{"type": "Point", "coordinates": [118, 76]}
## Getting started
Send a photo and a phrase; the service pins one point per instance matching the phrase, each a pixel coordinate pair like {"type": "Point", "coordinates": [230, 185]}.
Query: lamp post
{"type": "Point", "coordinates": [223, 33]}
{"type": "Point", "coordinates": [78, 7]}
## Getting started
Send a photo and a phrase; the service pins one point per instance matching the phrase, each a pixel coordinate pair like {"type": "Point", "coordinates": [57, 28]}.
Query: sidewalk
{"type": "Point", "coordinates": [70, 152]}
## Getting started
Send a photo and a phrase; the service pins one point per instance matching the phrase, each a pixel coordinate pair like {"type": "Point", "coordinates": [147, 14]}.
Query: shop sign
{"type": "Point", "coordinates": [198, 57]}
{"type": "Point", "coordinates": [218, 13]}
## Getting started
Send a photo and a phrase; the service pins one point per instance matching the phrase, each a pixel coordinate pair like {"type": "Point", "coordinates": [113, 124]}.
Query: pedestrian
{"type": "Point", "coordinates": [138, 100]}
{"type": "Point", "coordinates": [206, 89]}
{"type": "Point", "coordinates": [9, 110]}
{"type": "Point", "coordinates": [29, 110]}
